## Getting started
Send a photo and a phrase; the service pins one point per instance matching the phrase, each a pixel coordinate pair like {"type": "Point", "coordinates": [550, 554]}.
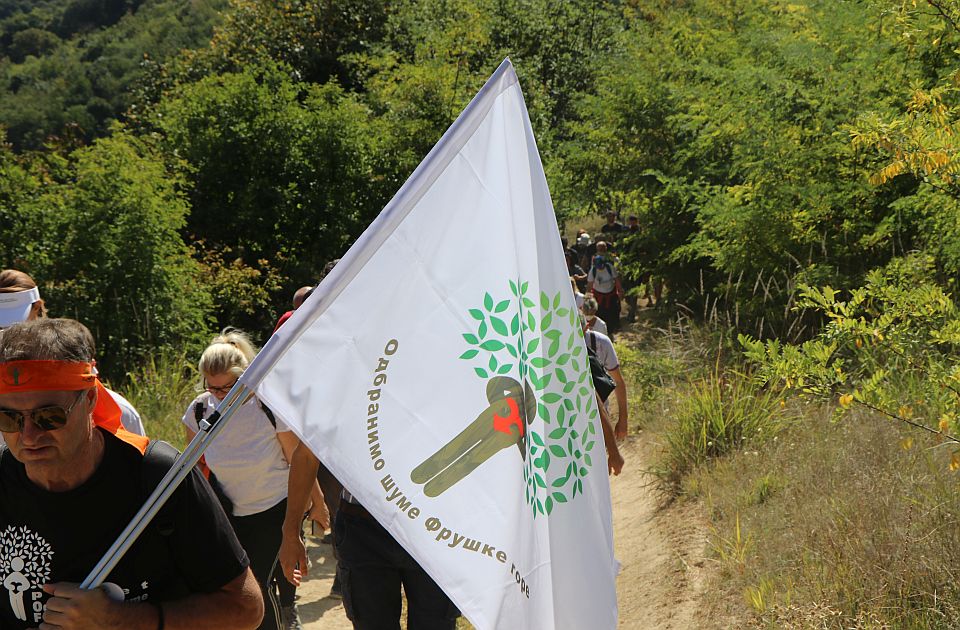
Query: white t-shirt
{"type": "Point", "coordinates": [246, 456]}
{"type": "Point", "coordinates": [604, 278]}
{"type": "Point", "coordinates": [599, 326]}
{"type": "Point", "coordinates": [602, 345]}
{"type": "Point", "coordinates": [128, 415]}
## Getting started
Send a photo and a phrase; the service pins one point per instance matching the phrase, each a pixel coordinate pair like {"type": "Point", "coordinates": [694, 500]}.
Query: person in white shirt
{"type": "Point", "coordinates": [589, 309]}
{"type": "Point", "coordinates": [603, 282]}
{"type": "Point", "coordinates": [601, 345]}
{"type": "Point", "coordinates": [248, 463]}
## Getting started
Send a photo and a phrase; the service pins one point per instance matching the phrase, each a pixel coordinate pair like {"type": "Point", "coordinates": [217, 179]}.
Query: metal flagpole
{"type": "Point", "coordinates": [209, 429]}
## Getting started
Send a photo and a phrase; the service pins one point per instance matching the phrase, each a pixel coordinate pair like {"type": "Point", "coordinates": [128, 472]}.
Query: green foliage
{"type": "Point", "coordinates": [890, 346]}
{"type": "Point", "coordinates": [160, 389]}
{"type": "Point", "coordinates": [720, 414]}
{"type": "Point", "coordinates": [279, 170]}
{"type": "Point", "coordinates": [712, 121]}
{"type": "Point", "coordinates": [240, 294]}
{"type": "Point", "coordinates": [311, 36]}
{"type": "Point", "coordinates": [103, 241]}
{"type": "Point", "coordinates": [75, 87]}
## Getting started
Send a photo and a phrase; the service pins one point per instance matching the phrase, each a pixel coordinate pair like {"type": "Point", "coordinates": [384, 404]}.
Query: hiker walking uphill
{"type": "Point", "coordinates": [71, 477]}
{"type": "Point", "coordinates": [604, 282]}
{"type": "Point", "coordinates": [247, 464]}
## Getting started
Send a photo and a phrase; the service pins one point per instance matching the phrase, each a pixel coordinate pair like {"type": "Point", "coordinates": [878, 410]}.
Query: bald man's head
{"type": "Point", "coordinates": [300, 296]}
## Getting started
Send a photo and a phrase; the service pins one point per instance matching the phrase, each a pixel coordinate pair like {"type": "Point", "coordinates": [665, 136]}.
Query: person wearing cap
{"type": "Point", "coordinates": [20, 301]}
{"type": "Point", "coordinates": [71, 478]}
{"type": "Point", "coordinates": [603, 281]}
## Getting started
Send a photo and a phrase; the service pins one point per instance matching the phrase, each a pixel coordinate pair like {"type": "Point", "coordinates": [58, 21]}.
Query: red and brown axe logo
{"type": "Point", "coordinates": [502, 424]}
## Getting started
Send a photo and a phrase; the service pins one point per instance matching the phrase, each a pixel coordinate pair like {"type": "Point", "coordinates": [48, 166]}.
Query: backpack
{"type": "Point", "coordinates": [602, 381]}
{"type": "Point", "coordinates": [158, 458]}
{"type": "Point", "coordinates": [601, 264]}
{"type": "Point", "coordinates": [225, 501]}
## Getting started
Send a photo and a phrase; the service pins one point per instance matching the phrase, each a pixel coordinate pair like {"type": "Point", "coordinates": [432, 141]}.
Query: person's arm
{"type": "Point", "coordinates": [318, 508]}
{"type": "Point", "coordinates": [236, 605]}
{"type": "Point", "coordinates": [618, 287]}
{"type": "Point", "coordinates": [302, 476]}
{"type": "Point", "coordinates": [614, 458]}
{"type": "Point", "coordinates": [622, 414]}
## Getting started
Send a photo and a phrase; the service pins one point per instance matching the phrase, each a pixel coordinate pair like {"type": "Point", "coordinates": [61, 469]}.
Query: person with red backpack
{"type": "Point", "coordinates": [604, 282]}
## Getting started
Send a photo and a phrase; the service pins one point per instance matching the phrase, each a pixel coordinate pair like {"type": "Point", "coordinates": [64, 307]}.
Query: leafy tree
{"type": "Point", "coordinates": [32, 41]}
{"type": "Point", "coordinates": [726, 104]}
{"type": "Point", "coordinates": [82, 83]}
{"type": "Point", "coordinates": [280, 170]}
{"type": "Point", "coordinates": [106, 249]}
{"type": "Point", "coordinates": [889, 346]}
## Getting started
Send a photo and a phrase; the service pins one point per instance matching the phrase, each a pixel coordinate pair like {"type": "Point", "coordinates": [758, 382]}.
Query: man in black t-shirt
{"type": "Point", "coordinates": [612, 229]}
{"type": "Point", "coordinates": [72, 478]}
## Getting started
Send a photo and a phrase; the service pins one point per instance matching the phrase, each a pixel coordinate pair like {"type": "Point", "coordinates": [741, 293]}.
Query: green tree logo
{"type": "Point", "coordinates": [550, 417]}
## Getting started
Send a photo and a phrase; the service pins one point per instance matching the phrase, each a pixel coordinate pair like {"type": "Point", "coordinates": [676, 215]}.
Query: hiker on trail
{"type": "Point", "coordinates": [575, 271]}
{"type": "Point", "coordinates": [615, 459]}
{"type": "Point", "coordinates": [372, 565]}
{"type": "Point", "coordinates": [584, 247]}
{"type": "Point", "coordinates": [589, 311]}
{"type": "Point", "coordinates": [20, 301]}
{"type": "Point", "coordinates": [604, 282]}
{"type": "Point", "coordinates": [298, 297]}
{"type": "Point", "coordinates": [612, 229]}
{"type": "Point", "coordinates": [577, 296]}
{"type": "Point", "coordinates": [247, 463]}
{"type": "Point", "coordinates": [71, 478]}
{"type": "Point", "coordinates": [329, 485]}
{"type": "Point", "coordinates": [601, 345]}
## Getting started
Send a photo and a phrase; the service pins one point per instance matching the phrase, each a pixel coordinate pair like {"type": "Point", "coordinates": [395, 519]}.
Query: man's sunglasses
{"type": "Point", "coordinates": [45, 418]}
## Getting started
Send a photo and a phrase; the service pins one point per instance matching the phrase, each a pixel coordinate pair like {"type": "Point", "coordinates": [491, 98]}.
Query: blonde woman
{"type": "Point", "coordinates": [248, 462]}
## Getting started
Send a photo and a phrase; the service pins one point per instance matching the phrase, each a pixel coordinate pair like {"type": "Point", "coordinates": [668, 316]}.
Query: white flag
{"type": "Point", "coordinates": [440, 373]}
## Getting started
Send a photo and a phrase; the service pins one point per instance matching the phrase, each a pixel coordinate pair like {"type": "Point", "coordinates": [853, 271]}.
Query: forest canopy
{"type": "Point", "coordinates": [181, 165]}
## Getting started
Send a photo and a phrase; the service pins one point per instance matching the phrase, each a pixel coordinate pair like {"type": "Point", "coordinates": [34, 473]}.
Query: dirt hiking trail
{"type": "Point", "coordinates": [661, 550]}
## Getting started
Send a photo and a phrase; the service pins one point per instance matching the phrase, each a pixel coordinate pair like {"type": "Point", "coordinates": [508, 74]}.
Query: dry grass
{"type": "Point", "coordinates": [822, 524]}
{"type": "Point", "coordinates": [846, 528]}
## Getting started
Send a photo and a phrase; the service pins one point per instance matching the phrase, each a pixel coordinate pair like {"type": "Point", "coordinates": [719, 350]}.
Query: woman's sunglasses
{"type": "Point", "coordinates": [45, 418]}
{"type": "Point", "coordinates": [221, 390]}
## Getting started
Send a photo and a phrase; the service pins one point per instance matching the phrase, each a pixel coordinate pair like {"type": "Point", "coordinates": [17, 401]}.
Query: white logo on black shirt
{"type": "Point", "coordinates": [24, 566]}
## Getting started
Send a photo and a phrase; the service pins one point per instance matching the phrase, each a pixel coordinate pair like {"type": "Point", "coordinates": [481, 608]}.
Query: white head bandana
{"type": "Point", "coordinates": [15, 307]}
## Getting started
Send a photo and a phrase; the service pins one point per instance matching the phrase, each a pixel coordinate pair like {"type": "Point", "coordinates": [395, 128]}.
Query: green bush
{"type": "Point", "coordinates": [160, 389]}
{"type": "Point", "coordinates": [715, 416]}
{"type": "Point", "coordinates": [103, 242]}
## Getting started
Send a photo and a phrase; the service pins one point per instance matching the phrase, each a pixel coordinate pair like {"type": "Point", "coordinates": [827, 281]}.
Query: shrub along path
{"type": "Point", "coordinates": [663, 576]}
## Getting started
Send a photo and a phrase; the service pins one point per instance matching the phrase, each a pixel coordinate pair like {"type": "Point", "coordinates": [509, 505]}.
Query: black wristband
{"type": "Point", "coordinates": [160, 620]}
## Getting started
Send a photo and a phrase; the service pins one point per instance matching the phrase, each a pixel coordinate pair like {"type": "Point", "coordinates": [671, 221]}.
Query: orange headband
{"type": "Point", "coordinates": [35, 376]}
{"type": "Point", "coordinates": [67, 376]}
